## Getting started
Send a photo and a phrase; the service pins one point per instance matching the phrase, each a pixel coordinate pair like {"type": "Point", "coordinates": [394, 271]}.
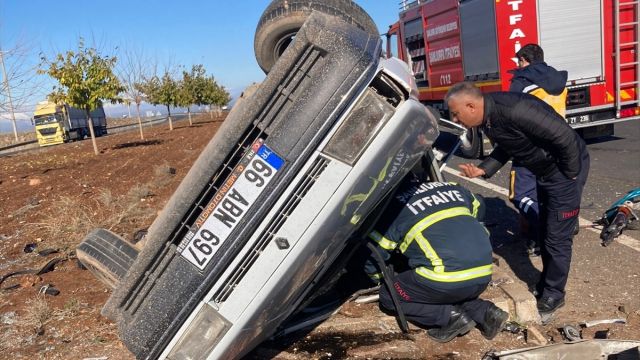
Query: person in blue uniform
{"type": "Point", "coordinates": [533, 76]}
{"type": "Point", "coordinates": [434, 228]}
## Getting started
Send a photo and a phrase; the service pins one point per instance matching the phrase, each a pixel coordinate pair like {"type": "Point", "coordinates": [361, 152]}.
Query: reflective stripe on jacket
{"type": "Point", "coordinates": [433, 226]}
{"type": "Point", "coordinates": [557, 102]}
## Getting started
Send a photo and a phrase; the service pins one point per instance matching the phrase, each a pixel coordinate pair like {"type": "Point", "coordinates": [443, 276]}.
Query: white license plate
{"type": "Point", "coordinates": [579, 119]}
{"type": "Point", "coordinates": [230, 204]}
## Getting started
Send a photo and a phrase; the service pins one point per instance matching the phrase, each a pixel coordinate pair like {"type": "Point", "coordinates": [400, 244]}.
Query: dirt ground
{"type": "Point", "coordinates": [51, 197]}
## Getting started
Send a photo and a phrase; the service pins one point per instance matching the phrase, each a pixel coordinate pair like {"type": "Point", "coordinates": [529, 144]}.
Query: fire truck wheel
{"type": "Point", "coordinates": [473, 149]}
{"type": "Point", "coordinates": [282, 18]}
{"type": "Point", "coordinates": [106, 255]}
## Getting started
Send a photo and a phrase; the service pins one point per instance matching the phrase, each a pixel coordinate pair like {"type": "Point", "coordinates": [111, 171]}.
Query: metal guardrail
{"type": "Point", "coordinates": [407, 4]}
{"type": "Point", "coordinates": [12, 146]}
{"type": "Point", "coordinates": [132, 126]}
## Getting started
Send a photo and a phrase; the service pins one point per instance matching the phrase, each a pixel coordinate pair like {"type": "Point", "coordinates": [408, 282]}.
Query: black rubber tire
{"type": "Point", "coordinates": [106, 255]}
{"type": "Point", "coordinates": [474, 150]}
{"type": "Point", "coordinates": [282, 18]}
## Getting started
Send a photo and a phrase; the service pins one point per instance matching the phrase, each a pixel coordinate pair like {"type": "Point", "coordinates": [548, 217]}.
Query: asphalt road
{"type": "Point", "coordinates": [615, 168]}
{"type": "Point", "coordinates": [601, 278]}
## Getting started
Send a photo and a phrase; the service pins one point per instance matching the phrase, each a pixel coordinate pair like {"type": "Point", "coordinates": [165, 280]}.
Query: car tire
{"type": "Point", "coordinates": [106, 255]}
{"type": "Point", "coordinates": [282, 18]}
{"type": "Point", "coordinates": [473, 149]}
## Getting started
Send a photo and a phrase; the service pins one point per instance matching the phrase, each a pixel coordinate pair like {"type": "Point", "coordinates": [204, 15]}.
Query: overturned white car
{"type": "Point", "coordinates": [273, 199]}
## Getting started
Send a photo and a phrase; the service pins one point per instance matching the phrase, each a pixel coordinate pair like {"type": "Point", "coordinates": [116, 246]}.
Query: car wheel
{"type": "Point", "coordinates": [281, 20]}
{"type": "Point", "coordinates": [473, 148]}
{"type": "Point", "coordinates": [106, 255]}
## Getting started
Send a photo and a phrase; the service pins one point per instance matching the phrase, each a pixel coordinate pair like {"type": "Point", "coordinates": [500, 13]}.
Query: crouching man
{"type": "Point", "coordinates": [435, 228]}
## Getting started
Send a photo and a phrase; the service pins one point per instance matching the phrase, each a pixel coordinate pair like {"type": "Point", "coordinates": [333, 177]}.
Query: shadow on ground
{"type": "Point", "coordinates": [336, 344]}
{"type": "Point", "coordinates": [136, 144]}
{"type": "Point", "coordinates": [603, 139]}
{"type": "Point", "coordinates": [502, 222]}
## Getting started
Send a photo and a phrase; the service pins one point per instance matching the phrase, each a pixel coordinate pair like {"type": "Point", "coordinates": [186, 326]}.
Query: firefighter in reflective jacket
{"type": "Point", "coordinates": [434, 227]}
{"type": "Point", "coordinates": [533, 76]}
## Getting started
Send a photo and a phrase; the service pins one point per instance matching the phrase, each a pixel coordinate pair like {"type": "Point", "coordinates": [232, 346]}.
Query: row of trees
{"type": "Point", "coordinates": [194, 88]}
{"type": "Point", "coordinates": [86, 79]}
{"type": "Point", "coordinates": [20, 81]}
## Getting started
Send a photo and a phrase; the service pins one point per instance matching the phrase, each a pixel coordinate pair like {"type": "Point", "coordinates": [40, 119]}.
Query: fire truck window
{"type": "Point", "coordinates": [392, 45]}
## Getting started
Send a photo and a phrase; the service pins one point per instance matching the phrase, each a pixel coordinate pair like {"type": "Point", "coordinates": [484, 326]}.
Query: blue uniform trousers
{"type": "Point", "coordinates": [560, 208]}
{"type": "Point", "coordinates": [430, 306]}
{"type": "Point", "coordinates": [524, 196]}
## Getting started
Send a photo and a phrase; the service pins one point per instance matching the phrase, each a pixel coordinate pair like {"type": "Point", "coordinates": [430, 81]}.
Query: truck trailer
{"type": "Point", "coordinates": [57, 124]}
{"type": "Point", "coordinates": [596, 41]}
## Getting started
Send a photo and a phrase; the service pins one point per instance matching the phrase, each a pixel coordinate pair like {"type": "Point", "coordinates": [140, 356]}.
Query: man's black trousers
{"type": "Point", "coordinates": [560, 209]}
{"type": "Point", "coordinates": [429, 306]}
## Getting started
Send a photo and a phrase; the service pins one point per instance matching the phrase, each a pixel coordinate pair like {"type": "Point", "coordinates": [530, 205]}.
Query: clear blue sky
{"type": "Point", "coordinates": [215, 33]}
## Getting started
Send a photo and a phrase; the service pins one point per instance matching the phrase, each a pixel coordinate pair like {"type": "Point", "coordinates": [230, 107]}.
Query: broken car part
{"type": "Point", "coordinates": [578, 350]}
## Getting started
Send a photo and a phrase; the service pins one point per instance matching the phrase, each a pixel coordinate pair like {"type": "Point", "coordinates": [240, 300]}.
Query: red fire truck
{"type": "Point", "coordinates": [596, 41]}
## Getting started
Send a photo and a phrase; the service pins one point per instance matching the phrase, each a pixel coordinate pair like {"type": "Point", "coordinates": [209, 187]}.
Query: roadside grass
{"type": "Point", "coordinates": [67, 222]}
{"type": "Point", "coordinates": [37, 314]}
{"type": "Point", "coordinates": [71, 218]}
{"type": "Point", "coordinates": [23, 210]}
{"type": "Point", "coordinates": [163, 174]}
{"type": "Point", "coordinates": [70, 308]}
{"type": "Point", "coordinates": [9, 139]}
{"type": "Point", "coordinates": [6, 337]}
{"type": "Point", "coordinates": [6, 330]}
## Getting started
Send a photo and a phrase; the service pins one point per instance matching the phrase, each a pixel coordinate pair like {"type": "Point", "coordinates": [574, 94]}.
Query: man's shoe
{"type": "Point", "coordinates": [494, 320]}
{"type": "Point", "coordinates": [459, 324]}
{"type": "Point", "coordinates": [548, 305]}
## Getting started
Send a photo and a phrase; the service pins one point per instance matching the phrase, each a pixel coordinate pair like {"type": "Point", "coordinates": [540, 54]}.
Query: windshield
{"type": "Point", "coordinates": [47, 119]}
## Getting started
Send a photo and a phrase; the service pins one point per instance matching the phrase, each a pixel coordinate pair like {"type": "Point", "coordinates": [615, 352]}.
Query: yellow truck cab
{"type": "Point", "coordinates": [56, 124]}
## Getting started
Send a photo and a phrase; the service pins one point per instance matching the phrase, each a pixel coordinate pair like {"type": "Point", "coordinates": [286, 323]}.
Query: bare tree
{"type": "Point", "coordinates": [133, 69]}
{"type": "Point", "coordinates": [21, 82]}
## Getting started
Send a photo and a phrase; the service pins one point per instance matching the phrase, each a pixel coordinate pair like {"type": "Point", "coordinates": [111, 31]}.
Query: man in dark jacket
{"type": "Point", "coordinates": [433, 228]}
{"type": "Point", "coordinates": [531, 132]}
{"type": "Point", "coordinates": [533, 76]}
